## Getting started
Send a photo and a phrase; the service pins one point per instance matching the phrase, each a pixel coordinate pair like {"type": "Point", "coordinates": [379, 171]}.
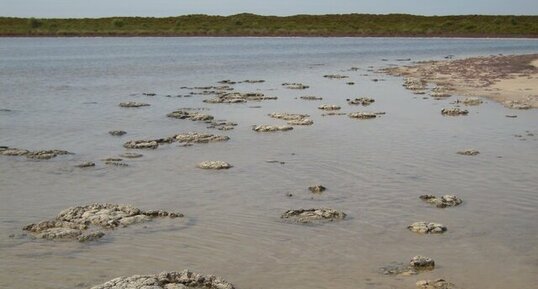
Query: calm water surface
{"type": "Point", "coordinates": [64, 93]}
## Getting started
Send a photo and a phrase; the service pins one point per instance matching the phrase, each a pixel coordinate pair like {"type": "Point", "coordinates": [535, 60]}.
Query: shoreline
{"type": "Point", "coordinates": [291, 35]}
{"type": "Point", "coordinates": [511, 80]}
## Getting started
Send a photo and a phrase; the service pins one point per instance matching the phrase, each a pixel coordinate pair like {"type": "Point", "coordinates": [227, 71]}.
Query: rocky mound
{"type": "Point", "coordinates": [192, 115]}
{"type": "Point", "coordinates": [442, 202]}
{"type": "Point", "coordinates": [271, 128]}
{"type": "Point", "coordinates": [435, 284]}
{"type": "Point", "coordinates": [167, 280]}
{"type": "Point", "coordinates": [289, 85]}
{"type": "Point", "coordinates": [133, 104]}
{"type": "Point", "coordinates": [364, 101]}
{"type": "Point", "coordinates": [416, 265]}
{"type": "Point", "coordinates": [39, 155]}
{"type": "Point", "coordinates": [362, 115]}
{"type": "Point", "coordinates": [214, 165]}
{"type": "Point", "coordinates": [454, 111]}
{"type": "Point", "coordinates": [191, 137]}
{"type": "Point", "coordinates": [468, 152]}
{"type": "Point", "coordinates": [313, 215]}
{"type": "Point", "coordinates": [329, 107]}
{"type": "Point", "coordinates": [236, 97]}
{"type": "Point", "coordinates": [83, 223]}
{"type": "Point", "coordinates": [427, 228]}
{"type": "Point", "coordinates": [293, 118]}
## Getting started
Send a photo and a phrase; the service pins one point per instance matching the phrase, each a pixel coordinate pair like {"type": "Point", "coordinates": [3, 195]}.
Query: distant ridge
{"type": "Point", "coordinates": [391, 25]}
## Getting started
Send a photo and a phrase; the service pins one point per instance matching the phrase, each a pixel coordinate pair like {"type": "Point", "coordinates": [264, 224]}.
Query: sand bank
{"type": "Point", "coordinates": [511, 80]}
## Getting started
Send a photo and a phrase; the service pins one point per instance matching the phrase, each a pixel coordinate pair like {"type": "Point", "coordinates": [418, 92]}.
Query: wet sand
{"type": "Point", "coordinates": [511, 80]}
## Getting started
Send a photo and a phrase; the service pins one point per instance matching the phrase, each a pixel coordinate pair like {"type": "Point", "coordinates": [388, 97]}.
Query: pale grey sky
{"type": "Point", "coordinates": [158, 8]}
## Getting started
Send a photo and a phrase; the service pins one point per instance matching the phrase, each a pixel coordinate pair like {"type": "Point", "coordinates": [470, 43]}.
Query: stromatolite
{"type": "Point", "coordinates": [84, 223]}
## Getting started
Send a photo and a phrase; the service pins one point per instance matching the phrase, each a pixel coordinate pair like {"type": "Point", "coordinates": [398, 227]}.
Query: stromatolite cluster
{"type": "Point", "coordinates": [167, 280]}
{"type": "Point", "coordinates": [84, 223]}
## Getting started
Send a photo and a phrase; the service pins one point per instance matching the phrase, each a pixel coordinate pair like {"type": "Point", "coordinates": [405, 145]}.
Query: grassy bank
{"type": "Point", "coordinates": [298, 25]}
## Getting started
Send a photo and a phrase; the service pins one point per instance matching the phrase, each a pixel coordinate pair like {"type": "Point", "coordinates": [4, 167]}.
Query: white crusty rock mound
{"type": "Point", "coordinates": [329, 107]}
{"type": "Point", "coordinates": [133, 104]}
{"type": "Point", "coordinates": [83, 223]}
{"type": "Point", "coordinates": [214, 165]}
{"type": "Point", "coordinates": [362, 115]}
{"type": "Point", "coordinates": [271, 128]}
{"type": "Point", "coordinates": [313, 215]}
{"type": "Point", "coordinates": [167, 280]}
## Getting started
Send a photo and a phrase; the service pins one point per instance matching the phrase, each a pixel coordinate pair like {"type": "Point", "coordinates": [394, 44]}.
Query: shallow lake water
{"type": "Point", "coordinates": [64, 93]}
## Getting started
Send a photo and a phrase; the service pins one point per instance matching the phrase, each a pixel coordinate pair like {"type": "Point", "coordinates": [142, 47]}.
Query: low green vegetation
{"type": "Point", "coordinates": [298, 25]}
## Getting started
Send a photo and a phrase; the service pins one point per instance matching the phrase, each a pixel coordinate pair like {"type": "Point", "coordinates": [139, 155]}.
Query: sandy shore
{"type": "Point", "coordinates": [511, 80]}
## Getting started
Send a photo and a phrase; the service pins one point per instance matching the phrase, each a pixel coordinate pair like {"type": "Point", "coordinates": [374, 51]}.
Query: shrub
{"type": "Point", "coordinates": [118, 23]}
{"type": "Point", "coordinates": [35, 23]}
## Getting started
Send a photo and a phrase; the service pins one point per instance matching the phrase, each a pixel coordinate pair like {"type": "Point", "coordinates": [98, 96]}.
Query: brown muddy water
{"type": "Point", "coordinates": [64, 94]}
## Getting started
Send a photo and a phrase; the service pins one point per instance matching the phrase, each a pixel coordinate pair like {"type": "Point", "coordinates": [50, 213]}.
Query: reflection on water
{"type": "Point", "coordinates": [64, 93]}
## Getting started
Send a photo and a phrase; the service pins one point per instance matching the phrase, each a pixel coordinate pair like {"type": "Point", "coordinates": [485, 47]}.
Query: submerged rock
{"type": "Point", "coordinates": [443, 201]}
{"type": "Point", "coordinates": [317, 189]}
{"type": "Point", "coordinates": [313, 215]}
{"type": "Point", "coordinates": [131, 155]}
{"type": "Point", "coordinates": [253, 81]}
{"type": "Point", "coordinates": [435, 284]}
{"type": "Point", "coordinates": [214, 165]}
{"type": "Point", "coordinates": [516, 105]}
{"type": "Point", "coordinates": [362, 115]}
{"type": "Point", "coordinates": [304, 121]}
{"type": "Point", "coordinates": [167, 280]}
{"type": "Point", "coordinates": [415, 266]}
{"type": "Point", "coordinates": [454, 111]}
{"type": "Point", "coordinates": [470, 101]}
{"type": "Point", "coordinates": [311, 97]}
{"type": "Point", "coordinates": [335, 76]}
{"type": "Point", "coordinates": [39, 155]}
{"type": "Point", "coordinates": [133, 104]}
{"type": "Point", "coordinates": [364, 101]}
{"type": "Point", "coordinates": [295, 85]}
{"type": "Point", "coordinates": [222, 125]}
{"type": "Point", "coordinates": [141, 144]}
{"type": "Point", "coordinates": [288, 116]}
{"type": "Point", "coordinates": [332, 113]}
{"type": "Point", "coordinates": [440, 94]}
{"type": "Point", "coordinates": [191, 137]}
{"type": "Point", "coordinates": [469, 152]}
{"type": "Point", "coordinates": [271, 128]}
{"type": "Point", "coordinates": [82, 222]}
{"type": "Point", "coordinates": [117, 132]}
{"type": "Point", "coordinates": [86, 165]}
{"type": "Point", "coordinates": [427, 228]}
{"type": "Point", "coordinates": [116, 163]}
{"type": "Point", "coordinates": [195, 137]}
{"type": "Point", "coordinates": [329, 107]}
{"type": "Point", "coordinates": [236, 97]}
